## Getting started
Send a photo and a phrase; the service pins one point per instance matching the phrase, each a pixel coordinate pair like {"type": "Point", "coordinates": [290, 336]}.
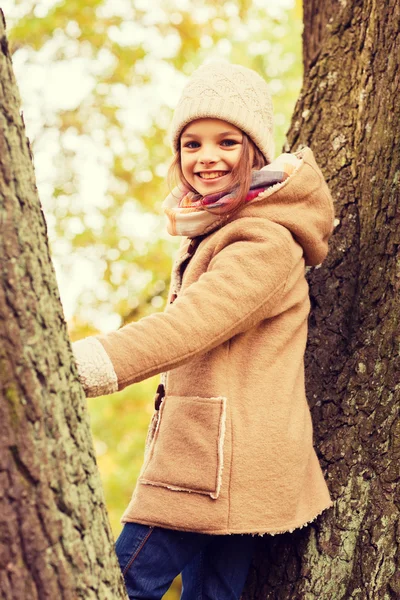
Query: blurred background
{"type": "Point", "coordinates": [98, 81]}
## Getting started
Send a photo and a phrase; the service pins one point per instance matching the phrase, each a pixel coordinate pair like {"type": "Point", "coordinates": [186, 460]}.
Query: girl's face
{"type": "Point", "coordinates": [210, 148]}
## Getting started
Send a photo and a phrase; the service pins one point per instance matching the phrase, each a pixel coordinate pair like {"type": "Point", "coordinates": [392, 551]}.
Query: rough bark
{"type": "Point", "coordinates": [55, 540]}
{"type": "Point", "coordinates": [349, 113]}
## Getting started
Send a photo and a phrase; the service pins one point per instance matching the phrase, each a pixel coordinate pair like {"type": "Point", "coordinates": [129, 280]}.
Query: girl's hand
{"type": "Point", "coordinates": [95, 370]}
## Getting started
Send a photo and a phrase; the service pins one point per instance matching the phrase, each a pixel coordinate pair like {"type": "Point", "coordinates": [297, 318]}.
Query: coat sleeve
{"type": "Point", "coordinates": [242, 285]}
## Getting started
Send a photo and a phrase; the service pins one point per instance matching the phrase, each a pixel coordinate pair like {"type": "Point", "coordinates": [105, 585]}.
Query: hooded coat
{"type": "Point", "coordinates": [230, 448]}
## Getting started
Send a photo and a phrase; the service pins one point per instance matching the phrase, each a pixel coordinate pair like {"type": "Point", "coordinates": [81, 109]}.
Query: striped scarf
{"type": "Point", "coordinates": [190, 214]}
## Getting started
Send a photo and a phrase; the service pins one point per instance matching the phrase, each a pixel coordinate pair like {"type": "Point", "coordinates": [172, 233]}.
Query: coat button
{"type": "Point", "coordinates": [160, 393]}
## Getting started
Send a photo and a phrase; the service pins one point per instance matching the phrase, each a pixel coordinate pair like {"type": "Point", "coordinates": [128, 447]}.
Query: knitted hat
{"type": "Point", "coordinates": [233, 93]}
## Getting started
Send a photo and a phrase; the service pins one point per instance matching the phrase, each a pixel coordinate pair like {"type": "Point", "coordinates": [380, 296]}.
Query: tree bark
{"type": "Point", "coordinates": [55, 539]}
{"type": "Point", "coordinates": [349, 113]}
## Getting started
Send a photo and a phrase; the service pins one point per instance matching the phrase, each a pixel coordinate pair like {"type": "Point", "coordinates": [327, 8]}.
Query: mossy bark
{"type": "Point", "coordinates": [349, 113]}
{"type": "Point", "coordinates": [55, 539]}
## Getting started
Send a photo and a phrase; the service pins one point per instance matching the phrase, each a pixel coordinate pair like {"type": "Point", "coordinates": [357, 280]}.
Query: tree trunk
{"type": "Point", "coordinates": [55, 540]}
{"type": "Point", "coordinates": [349, 113]}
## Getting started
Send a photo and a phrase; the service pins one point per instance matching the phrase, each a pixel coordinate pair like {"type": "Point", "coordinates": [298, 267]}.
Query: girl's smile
{"type": "Point", "coordinates": [212, 174]}
{"type": "Point", "coordinates": [210, 149]}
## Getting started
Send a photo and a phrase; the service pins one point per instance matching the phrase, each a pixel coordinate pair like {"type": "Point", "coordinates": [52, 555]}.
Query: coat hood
{"type": "Point", "coordinates": [303, 204]}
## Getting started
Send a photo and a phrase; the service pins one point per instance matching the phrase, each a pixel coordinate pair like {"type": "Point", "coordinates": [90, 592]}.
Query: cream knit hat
{"type": "Point", "coordinates": [233, 93]}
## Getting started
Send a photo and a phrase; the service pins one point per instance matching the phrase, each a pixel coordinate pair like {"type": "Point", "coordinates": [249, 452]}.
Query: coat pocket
{"type": "Point", "coordinates": [186, 453]}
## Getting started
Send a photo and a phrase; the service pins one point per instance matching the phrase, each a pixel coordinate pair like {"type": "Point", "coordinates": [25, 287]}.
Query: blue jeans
{"type": "Point", "coordinates": [213, 567]}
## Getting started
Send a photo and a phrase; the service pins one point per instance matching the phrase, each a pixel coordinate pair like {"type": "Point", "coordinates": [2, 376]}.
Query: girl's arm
{"type": "Point", "coordinates": [243, 284]}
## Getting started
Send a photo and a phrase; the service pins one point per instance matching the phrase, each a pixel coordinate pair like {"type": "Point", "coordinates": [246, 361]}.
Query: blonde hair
{"type": "Point", "coordinates": [241, 172]}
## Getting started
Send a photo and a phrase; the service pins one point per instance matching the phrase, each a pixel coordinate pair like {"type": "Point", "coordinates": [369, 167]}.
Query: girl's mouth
{"type": "Point", "coordinates": [206, 175]}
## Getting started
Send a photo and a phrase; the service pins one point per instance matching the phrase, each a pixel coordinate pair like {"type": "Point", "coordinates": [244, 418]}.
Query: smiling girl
{"type": "Point", "coordinates": [229, 452]}
{"type": "Point", "coordinates": [210, 155]}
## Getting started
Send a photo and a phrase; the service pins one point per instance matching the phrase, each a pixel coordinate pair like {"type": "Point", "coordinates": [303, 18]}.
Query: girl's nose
{"type": "Point", "coordinates": [208, 161]}
{"type": "Point", "coordinates": [208, 156]}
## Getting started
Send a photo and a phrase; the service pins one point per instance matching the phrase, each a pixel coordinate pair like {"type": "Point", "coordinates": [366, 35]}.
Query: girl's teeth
{"type": "Point", "coordinates": [213, 175]}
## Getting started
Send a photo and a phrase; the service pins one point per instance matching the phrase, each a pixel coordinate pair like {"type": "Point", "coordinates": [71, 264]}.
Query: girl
{"type": "Point", "coordinates": [229, 452]}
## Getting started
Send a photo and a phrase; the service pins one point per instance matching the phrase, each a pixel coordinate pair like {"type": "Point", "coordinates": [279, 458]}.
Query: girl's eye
{"type": "Point", "coordinates": [192, 145]}
{"type": "Point", "coordinates": [227, 143]}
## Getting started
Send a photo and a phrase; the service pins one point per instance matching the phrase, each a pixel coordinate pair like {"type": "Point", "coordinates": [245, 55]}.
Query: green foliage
{"type": "Point", "coordinates": [133, 58]}
{"type": "Point", "coordinates": [119, 424]}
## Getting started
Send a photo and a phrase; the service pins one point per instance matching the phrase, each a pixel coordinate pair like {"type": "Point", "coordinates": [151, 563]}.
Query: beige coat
{"type": "Point", "coordinates": [231, 448]}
